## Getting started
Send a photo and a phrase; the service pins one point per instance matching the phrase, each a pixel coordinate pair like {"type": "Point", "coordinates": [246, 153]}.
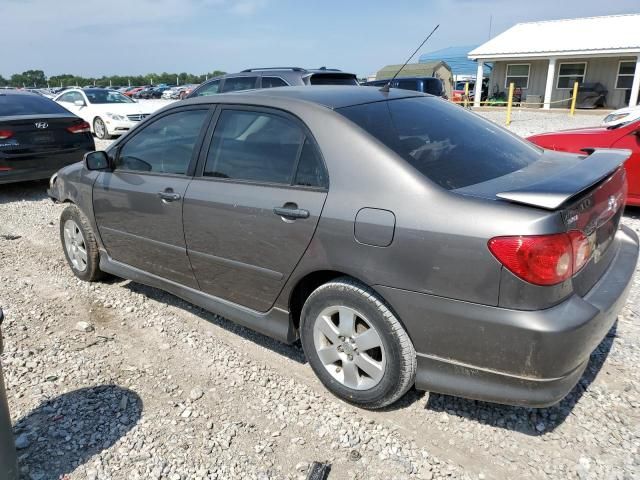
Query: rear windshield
{"type": "Point", "coordinates": [450, 146]}
{"type": "Point", "coordinates": [332, 79]}
{"type": "Point", "coordinates": [27, 104]}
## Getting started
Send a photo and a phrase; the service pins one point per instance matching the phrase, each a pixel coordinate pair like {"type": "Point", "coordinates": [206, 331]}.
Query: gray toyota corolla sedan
{"type": "Point", "coordinates": [401, 238]}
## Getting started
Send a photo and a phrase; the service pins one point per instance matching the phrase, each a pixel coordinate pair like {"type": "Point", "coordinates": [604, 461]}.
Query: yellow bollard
{"type": "Point", "coordinates": [509, 104]}
{"type": "Point", "coordinates": [573, 99]}
{"type": "Point", "coordinates": [466, 95]}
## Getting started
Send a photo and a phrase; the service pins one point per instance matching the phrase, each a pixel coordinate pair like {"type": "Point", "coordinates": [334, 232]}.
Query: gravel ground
{"type": "Point", "coordinates": [116, 380]}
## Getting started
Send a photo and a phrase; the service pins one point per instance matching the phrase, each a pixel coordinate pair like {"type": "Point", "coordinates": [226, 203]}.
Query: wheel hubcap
{"type": "Point", "coordinates": [349, 347]}
{"type": "Point", "coordinates": [99, 128]}
{"type": "Point", "coordinates": [75, 245]}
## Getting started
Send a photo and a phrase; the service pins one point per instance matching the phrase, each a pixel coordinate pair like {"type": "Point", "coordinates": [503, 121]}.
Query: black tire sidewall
{"type": "Point", "coordinates": [336, 295]}
{"type": "Point", "coordinates": [73, 213]}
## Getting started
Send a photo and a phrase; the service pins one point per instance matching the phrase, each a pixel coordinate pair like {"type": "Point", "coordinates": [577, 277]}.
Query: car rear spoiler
{"type": "Point", "coordinates": [556, 190]}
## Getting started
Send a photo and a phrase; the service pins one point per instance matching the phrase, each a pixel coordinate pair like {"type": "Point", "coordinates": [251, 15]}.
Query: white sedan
{"type": "Point", "coordinates": [624, 115]}
{"type": "Point", "coordinates": [107, 111]}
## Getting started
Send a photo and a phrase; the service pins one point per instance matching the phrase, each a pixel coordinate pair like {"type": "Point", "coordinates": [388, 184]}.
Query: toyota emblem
{"type": "Point", "coordinates": [42, 125]}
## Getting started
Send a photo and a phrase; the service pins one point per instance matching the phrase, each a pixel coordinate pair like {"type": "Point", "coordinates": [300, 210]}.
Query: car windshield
{"type": "Point", "coordinates": [106, 96]}
{"type": "Point", "coordinates": [28, 104]}
{"type": "Point", "coordinates": [450, 146]}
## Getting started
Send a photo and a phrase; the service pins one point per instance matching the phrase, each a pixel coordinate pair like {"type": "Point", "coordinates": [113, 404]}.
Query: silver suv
{"type": "Point", "coordinates": [254, 78]}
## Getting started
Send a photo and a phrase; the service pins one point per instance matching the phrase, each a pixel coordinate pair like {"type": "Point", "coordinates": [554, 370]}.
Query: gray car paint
{"type": "Point", "coordinates": [437, 274]}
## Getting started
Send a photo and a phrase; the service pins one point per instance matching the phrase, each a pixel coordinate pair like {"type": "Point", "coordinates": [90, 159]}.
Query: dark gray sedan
{"type": "Point", "coordinates": [402, 239]}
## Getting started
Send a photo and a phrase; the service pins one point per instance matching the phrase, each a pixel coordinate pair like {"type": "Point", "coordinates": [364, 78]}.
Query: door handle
{"type": "Point", "coordinates": [287, 212]}
{"type": "Point", "coordinates": [169, 196]}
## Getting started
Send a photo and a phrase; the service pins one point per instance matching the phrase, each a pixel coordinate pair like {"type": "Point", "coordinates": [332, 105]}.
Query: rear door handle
{"type": "Point", "coordinates": [169, 196]}
{"type": "Point", "coordinates": [291, 212]}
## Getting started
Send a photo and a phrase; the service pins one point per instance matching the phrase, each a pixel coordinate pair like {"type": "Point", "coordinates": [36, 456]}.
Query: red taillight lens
{"type": "Point", "coordinates": [83, 127]}
{"type": "Point", "coordinates": [582, 250]}
{"type": "Point", "coordinates": [543, 259]}
{"type": "Point", "coordinates": [4, 134]}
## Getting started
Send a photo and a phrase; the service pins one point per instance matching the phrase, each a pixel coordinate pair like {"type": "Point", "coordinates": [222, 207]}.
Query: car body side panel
{"type": "Point", "coordinates": [239, 248]}
{"type": "Point", "coordinates": [139, 228]}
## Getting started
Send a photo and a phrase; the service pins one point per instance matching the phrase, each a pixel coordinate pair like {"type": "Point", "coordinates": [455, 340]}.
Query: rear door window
{"type": "Point", "coordinates": [254, 146]}
{"type": "Point", "coordinates": [211, 88]}
{"type": "Point", "coordinates": [333, 79]}
{"type": "Point", "coordinates": [448, 145]}
{"type": "Point", "coordinates": [408, 85]}
{"type": "Point", "coordinates": [234, 84]}
{"type": "Point", "coordinates": [164, 146]}
{"type": "Point", "coordinates": [28, 104]}
{"type": "Point", "coordinates": [272, 82]}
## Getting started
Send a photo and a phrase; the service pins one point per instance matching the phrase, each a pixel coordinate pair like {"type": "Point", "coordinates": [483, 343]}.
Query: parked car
{"type": "Point", "coordinates": [170, 93]}
{"type": "Point", "coordinates": [451, 254]}
{"type": "Point", "coordinates": [145, 93]}
{"type": "Point", "coordinates": [108, 112]}
{"type": "Point", "coordinates": [186, 91]}
{"type": "Point", "coordinates": [158, 91]}
{"type": "Point", "coordinates": [8, 461]}
{"type": "Point", "coordinates": [256, 78]}
{"type": "Point", "coordinates": [38, 137]}
{"type": "Point", "coordinates": [581, 140]}
{"type": "Point", "coordinates": [430, 85]}
{"type": "Point", "coordinates": [132, 91]}
{"type": "Point", "coordinates": [622, 116]}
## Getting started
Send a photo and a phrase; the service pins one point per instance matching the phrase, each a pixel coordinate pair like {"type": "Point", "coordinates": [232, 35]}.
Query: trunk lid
{"type": "Point", "coordinates": [588, 191]}
{"type": "Point", "coordinates": [39, 134]}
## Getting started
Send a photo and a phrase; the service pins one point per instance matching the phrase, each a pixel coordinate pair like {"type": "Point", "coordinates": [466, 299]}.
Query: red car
{"type": "Point", "coordinates": [581, 140]}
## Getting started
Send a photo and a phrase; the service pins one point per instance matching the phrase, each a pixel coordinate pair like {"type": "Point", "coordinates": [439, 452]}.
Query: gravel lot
{"type": "Point", "coordinates": [151, 387]}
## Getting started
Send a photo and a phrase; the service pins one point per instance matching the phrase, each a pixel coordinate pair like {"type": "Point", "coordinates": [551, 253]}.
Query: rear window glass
{"type": "Point", "coordinates": [332, 79]}
{"type": "Point", "coordinates": [448, 145]}
{"type": "Point", "coordinates": [19, 104]}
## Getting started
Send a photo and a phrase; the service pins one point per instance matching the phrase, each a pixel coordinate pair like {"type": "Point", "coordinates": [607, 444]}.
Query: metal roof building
{"type": "Point", "coordinates": [546, 58]}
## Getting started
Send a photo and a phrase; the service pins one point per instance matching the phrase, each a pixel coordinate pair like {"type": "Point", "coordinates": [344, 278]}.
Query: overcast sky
{"type": "Point", "coordinates": [96, 37]}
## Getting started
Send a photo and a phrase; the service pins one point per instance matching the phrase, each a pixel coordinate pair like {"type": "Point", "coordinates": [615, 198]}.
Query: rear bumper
{"type": "Point", "coordinates": [39, 167]}
{"type": "Point", "coordinates": [515, 357]}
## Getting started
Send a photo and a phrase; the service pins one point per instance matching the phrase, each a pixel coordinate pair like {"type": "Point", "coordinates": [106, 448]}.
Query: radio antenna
{"type": "Point", "coordinates": [388, 85]}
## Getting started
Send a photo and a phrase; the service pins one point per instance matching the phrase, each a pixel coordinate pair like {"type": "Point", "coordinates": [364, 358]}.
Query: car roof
{"type": "Point", "coordinates": [330, 96]}
{"type": "Point", "coordinates": [13, 91]}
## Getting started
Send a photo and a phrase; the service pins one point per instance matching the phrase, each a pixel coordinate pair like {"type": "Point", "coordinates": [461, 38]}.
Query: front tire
{"type": "Point", "coordinates": [79, 245]}
{"type": "Point", "coordinates": [355, 345]}
{"type": "Point", "coordinates": [100, 129]}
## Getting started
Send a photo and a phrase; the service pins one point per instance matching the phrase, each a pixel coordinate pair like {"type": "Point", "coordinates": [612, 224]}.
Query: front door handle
{"type": "Point", "coordinates": [169, 196]}
{"type": "Point", "coordinates": [291, 213]}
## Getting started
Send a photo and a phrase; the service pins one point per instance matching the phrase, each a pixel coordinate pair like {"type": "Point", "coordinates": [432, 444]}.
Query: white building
{"type": "Point", "coordinates": [546, 58]}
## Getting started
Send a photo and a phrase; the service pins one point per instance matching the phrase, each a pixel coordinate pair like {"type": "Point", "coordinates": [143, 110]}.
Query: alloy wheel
{"type": "Point", "coordinates": [75, 245]}
{"type": "Point", "coordinates": [349, 347]}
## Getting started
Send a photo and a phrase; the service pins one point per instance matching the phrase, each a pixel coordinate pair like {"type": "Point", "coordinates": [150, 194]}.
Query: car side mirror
{"type": "Point", "coordinates": [79, 103]}
{"type": "Point", "coordinates": [97, 161]}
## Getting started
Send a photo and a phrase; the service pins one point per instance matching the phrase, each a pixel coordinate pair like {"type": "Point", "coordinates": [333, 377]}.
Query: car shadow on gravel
{"type": "Point", "coordinates": [66, 431]}
{"type": "Point", "coordinates": [530, 421]}
{"type": "Point", "coordinates": [292, 352]}
{"type": "Point", "coordinates": [24, 191]}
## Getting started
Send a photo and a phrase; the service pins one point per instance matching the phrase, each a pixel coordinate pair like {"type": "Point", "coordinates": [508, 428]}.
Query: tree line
{"type": "Point", "coordinates": [38, 79]}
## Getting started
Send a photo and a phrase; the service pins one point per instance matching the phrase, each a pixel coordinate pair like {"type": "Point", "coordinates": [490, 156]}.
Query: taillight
{"type": "Point", "coordinates": [543, 259]}
{"type": "Point", "coordinates": [4, 134]}
{"type": "Point", "coordinates": [83, 127]}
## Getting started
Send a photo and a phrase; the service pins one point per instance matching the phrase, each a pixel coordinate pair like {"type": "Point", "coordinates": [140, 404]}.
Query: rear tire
{"type": "Point", "coordinates": [355, 345]}
{"type": "Point", "coordinates": [100, 129]}
{"type": "Point", "coordinates": [79, 245]}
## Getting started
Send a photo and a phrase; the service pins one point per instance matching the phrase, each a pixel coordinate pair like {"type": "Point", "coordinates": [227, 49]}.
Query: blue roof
{"type": "Point", "coordinates": [456, 58]}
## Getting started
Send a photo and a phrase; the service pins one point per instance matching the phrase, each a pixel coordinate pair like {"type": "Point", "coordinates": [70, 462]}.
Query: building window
{"type": "Point", "coordinates": [518, 74]}
{"type": "Point", "coordinates": [626, 70]}
{"type": "Point", "coordinates": [570, 73]}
